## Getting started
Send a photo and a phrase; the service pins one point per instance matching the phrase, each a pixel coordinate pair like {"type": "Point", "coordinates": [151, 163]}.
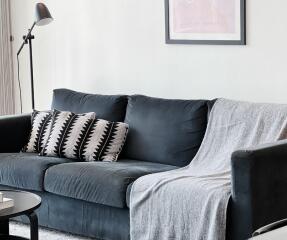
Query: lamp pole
{"type": "Point", "coordinates": [28, 39]}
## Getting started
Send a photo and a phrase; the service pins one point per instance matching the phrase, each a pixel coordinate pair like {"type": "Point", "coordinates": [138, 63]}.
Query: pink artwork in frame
{"type": "Point", "coordinates": [205, 21]}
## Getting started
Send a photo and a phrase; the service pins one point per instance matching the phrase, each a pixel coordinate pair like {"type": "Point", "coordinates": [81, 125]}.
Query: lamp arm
{"type": "Point", "coordinates": [27, 36]}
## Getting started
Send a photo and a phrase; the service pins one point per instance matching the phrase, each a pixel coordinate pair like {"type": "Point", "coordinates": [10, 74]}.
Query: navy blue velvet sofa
{"type": "Point", "coordinates": [92, 198]}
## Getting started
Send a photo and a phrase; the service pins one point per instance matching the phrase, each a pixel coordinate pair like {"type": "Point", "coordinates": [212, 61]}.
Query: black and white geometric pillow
{"type": "Point", "coordinates": [67, 133]}
{"type": "Point", "coordinates": [41, 124]}
{"type": "Point", "coordinates": [104, 141]}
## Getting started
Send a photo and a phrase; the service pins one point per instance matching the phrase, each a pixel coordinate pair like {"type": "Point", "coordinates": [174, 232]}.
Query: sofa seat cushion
{"type": "Point", "coordinates": [25, 170]}
{"type": "Point", "coordinates": [98, 182]}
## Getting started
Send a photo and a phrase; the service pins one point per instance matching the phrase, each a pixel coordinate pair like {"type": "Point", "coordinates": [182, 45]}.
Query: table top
{"type": "Point", "coordinates": [24, 203]}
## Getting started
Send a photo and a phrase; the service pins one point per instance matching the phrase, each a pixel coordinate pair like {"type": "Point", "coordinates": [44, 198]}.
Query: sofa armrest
{"type": "Point", "coordinates": [14, 132]}
{"type": "Point", "coordinates": [259, 183]}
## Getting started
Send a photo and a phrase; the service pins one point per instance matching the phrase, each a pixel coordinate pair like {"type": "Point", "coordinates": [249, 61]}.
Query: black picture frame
{"type": "Point", "coordinates": [242, 40]}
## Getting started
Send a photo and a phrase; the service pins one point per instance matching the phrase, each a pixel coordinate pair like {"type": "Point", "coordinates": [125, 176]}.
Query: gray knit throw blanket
{"type": "Point", "coordinates": [191, 203]}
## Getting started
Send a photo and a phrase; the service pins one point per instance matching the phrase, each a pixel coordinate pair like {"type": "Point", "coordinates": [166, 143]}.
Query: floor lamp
{"type": "Point", "coordinates": [43, 17]}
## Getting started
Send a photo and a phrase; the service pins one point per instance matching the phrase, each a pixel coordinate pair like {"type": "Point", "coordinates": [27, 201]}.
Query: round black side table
{"type": "Point", "coordinates": [24, 204]}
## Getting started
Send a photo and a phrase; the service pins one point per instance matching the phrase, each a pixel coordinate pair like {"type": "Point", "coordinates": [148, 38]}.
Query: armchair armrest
{"type": "Point", "coordinates": [259, 186]}
{"type": "Point", "coordinates": [14, 132]}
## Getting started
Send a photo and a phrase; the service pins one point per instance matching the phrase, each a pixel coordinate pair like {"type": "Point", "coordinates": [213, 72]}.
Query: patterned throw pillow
{"type": "Point", "coordinates": [41, 124]}
{"type": "Point", "coordinates": [85, 138]}
{"type": "Point", "coordinates": [67, 133]}
{"type": "Point", "coordinates": [104, 141]}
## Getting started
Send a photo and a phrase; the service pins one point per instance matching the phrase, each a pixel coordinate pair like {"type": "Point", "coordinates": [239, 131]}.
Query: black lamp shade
{"type": "Point", "coordinates": [43, 16]}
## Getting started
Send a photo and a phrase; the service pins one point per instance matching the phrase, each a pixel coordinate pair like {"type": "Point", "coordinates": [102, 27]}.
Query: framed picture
{"type": "Point", "coordinates": [205, 22]}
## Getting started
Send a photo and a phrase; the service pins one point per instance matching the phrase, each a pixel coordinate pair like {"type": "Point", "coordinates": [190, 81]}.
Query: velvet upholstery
{"type": "Point", "coordinates": [259, 180]}
{"type": "Point", "coordinates": [164, 131]}
{"type": "Point", "coordinates": [108, 107]}
{"type": "Point", "coordinates": [98, 182]}
{"type": "Point", "coordinates": [25, 170]}
{"type": "Point", "coordinates": [15, 132]}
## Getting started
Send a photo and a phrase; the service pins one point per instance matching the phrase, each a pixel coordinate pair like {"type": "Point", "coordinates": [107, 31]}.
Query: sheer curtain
{"type": "Point", "coordinates": [7, 99]}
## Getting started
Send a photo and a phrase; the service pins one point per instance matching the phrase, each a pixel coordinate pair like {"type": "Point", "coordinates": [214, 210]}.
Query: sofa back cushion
{"type": "Point", "coordinates": [164, 131]}
{"type": "Point", "coordinates": [108, 107]}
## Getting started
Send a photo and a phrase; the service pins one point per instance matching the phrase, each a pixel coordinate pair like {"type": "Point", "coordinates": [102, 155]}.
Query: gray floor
{"type": "Point", "coordinates": [44, 234]}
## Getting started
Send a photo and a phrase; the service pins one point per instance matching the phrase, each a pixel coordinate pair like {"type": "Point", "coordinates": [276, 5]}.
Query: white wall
{"type": "Point", "coordinates": [118, 46]}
